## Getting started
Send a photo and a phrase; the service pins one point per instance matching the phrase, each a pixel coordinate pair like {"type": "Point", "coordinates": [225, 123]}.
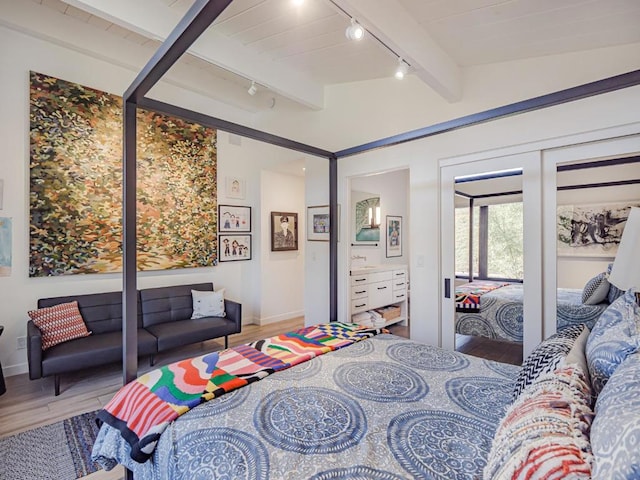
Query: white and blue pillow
{"type": "Point", "coordinates": [614, 337]}
{"type": "Point", "coordinates": [615, 432]}
{"type": "Point", "coordinates": [595, 290]}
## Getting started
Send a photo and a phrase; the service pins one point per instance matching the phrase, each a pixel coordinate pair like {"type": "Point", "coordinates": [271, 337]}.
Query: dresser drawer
{"type": "Point", "coordinates": [380, 276]}
{"type": "Point", "coordinates": [359, 291]}
{"type": "Point", "coordinates": [399, 284]}
{"type": "Point", "coordinates": [399, 274]}
{"type": "Point", "coordinates": [359, 279]}
{"type": "Point", "coordinates": [380, 294]}
{"type": "Point", "coordinates": [359, 305]}
{"type": "Point", "coordinates": [399, 295]}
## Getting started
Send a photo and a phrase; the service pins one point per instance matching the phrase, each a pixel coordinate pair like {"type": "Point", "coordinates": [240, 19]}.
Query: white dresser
{"type": "Point", "coordinates": [379, 286]}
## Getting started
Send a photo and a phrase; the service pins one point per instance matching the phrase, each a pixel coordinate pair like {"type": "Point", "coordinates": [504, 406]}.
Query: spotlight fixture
{"type": "Point", "coordinates": [354, 31]}
{"type": "Point", "coordinates": [252, 89]}
{"type": "Point", "coordinates": [402, 69]}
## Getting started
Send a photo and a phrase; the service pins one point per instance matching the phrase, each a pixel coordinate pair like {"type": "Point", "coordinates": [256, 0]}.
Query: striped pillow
{"type": "Point", "coordinates": [59, 323]}
{"type": "Point", "coordinates": [545, 432]}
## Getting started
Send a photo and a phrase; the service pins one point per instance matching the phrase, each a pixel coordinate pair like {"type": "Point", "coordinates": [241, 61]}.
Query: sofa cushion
{"type": "Point", "coordinates": [92, 351]}
{"type": "Point", "coordinates": [615, 434]}
{"type": "Point", "coordinates": [544, 433]}
{"type": "Point", "coordinates": [59, 323]}
{"type": "Point", "coordinates": [208, 304]}
{"type": "Point", "coordinates": [172, 335]}
{"type": "Point", "coordinates": [614, 337]}
{"type": "Point", "coordinates": [595, 290]}
{"type": "Point", "coordinates": [169, 304]}
{"type": "Point", "coordinates": [547, 356]}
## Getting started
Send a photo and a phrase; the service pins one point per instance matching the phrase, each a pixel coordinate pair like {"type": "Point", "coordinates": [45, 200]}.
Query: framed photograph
{"type": "Point", "coordinates": [234, 218]}
{"type": "Point", "coordinates": [234, 247]}
{"type": "Point", "coordinates": [284, 231]}
{"type": "Point", "coordinates": [235, 187]}
{"type": "Point", "coordinates": [591, 230]}
{"type": "Point", "coordinates": [394, 236]}
{"type": "Point", "coordinates": [318, 223]}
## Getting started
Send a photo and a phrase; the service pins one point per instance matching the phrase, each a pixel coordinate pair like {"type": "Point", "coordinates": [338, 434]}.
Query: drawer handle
{"type": "Point", "coordinates": [400, 296]}
{"type": "Point", "coordinates": [381, 288]}
{"type": "Point", "coordinates": [360, 279]}
{"type": "Point", "coordinates": [362, 291]}
{"type": "Point", "coordinates": [399, 284]}
{"type": "Point", "coordinates": [401, 273]}
{"type": "Point", "coordinates": [361, 305]}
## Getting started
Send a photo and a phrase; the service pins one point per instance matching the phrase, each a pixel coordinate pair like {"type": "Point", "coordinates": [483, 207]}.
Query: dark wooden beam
{"type": "Point", "coordinates": [598, 87]}
{"type": "Point", "coordinates": [333, 239]}
{"type": "Point", "coordinates": [197, 19]}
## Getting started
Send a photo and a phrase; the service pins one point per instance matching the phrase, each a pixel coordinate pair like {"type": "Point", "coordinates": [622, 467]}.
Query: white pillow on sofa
{"type": "Point", "coordinates": [208, 304]}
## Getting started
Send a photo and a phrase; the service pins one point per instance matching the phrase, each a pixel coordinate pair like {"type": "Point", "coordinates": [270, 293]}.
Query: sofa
{"type": "Point", "coordinates": [164, 322]}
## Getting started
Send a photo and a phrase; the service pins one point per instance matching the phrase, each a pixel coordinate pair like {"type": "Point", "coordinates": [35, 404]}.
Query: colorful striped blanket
{"type": "Point", "coordinates": [468, 295]}
{"type": "Point", "coordinates": [142, 409]}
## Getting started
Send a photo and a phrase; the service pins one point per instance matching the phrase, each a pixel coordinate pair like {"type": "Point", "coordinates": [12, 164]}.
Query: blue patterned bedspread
{"type": "Point", "coordinates": [383, 409]}
{"type": "Point", "coordinates": [501, 313]}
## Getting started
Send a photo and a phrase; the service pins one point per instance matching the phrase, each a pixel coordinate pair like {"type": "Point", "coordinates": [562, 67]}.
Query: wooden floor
{"type": "Point", "coordinates": [498, 350]}
{"type": "Point", "coordinates": [31, 403]}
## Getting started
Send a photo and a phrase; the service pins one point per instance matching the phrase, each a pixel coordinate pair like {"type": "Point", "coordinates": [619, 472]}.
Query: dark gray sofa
{"type": "Point", "coordinates": [159, 311]}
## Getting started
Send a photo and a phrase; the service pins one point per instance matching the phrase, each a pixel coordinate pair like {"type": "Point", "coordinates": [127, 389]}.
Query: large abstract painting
{"type": "Point", "coordinates": [591, 230]}
{"type": "Point", "coordinates": [76, 184]}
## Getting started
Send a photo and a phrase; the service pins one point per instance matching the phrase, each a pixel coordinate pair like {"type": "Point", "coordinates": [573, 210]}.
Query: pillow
{"type": "Point", "coordinates": [595, 291]}
{"type": "Point", "coordinates": [59, 323]}
{"type": "Point", "coordinates": [208, 304]}
{"type": "Point", "coordinates": [545, 432]}
{"type": "Point", "coordinates": [614, 292]}
{"type": "Point", "coordinates": [547, 356]}
{"type": "Point", "coordinates": [614, 337]}
{"type": "Point", "coordinates": [615, 433]}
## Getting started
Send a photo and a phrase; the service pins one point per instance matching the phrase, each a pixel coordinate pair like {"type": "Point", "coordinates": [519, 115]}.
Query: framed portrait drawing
{"type": "Point", "coordinates": [318, 223]}
{"type": "Point", "coordinates": [234, 218]}
{"type": "Point", "coordinates": [591, 230]}
{"type": "Point", "coordinates": [234, 187]}
{"type": "Point", "coordinates": [284, 231]}
{"type": "Point", "coordinates": [394, 233]}
{"type": "Point", "coordinates": [234, 247]}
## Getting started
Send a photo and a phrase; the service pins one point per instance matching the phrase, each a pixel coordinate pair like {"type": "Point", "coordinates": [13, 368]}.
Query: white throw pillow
{"type": "Point", "coordinates": [208, 304]}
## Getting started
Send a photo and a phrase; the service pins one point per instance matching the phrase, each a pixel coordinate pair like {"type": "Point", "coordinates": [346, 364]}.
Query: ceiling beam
{"type": "Point", "coordinates": [154, 19]}
{"type": "Point", "coordinates": [393, 25]}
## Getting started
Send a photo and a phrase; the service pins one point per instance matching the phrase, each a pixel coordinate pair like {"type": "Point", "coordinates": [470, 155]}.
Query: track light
{"type": "Point", "coordinates": [354, 31]}
{"type": "Point", "coordinates": [402, 69]}
{"type": "Point", "coordinates": [252, 89]}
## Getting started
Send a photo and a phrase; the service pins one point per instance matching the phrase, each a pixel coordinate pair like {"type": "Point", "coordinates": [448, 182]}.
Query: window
{"type": "Point", "coordinates": [497, 242]}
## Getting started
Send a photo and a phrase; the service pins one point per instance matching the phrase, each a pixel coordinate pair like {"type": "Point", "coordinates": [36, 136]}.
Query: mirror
{"type": "Point", "coordinates": [366, 216]}
{"type": "Point", "coordinates": [593, 200]}
{"type": "Point", "coordinates": [489, 265]}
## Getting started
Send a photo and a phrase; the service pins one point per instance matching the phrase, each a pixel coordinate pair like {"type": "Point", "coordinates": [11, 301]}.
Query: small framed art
{"type": "Point", "coordinates": [318, 223]}
{"type": "Point", "coordinates": [234, 247]}
{"type": "Point", "coordinates": [234, 218]}
{"type": "Point", "coordinates": [235, 187]}
{"type": "Point", "coordinates": [284, 231]}
{"type": "Point", "coordinates": [394, 236]}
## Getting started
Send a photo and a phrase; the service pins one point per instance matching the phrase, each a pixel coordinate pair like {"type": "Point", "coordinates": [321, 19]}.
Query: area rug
{"type": "Point", "coordinates": [60, 451]}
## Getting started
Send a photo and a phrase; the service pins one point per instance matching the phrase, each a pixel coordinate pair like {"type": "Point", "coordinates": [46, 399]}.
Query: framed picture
{"type": "Point", "coordinates": [233, 218]}
{"type": "Point", "coordinates": [591, 230]}
{"type": "Point", "coordinates": [318, 223]}
{"type": "Point", "coordinates": [366, 217]}
{"type": "Point", "coordinates": [234, 247]}
{"type": "Point", "coordinates": [394, 236]}
{"type": "Point", "coordinates": [284, 231]}
{"type": "Point", "coordinates": [234, 187]}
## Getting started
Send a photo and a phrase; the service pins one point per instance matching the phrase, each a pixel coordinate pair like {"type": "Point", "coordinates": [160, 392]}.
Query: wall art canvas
{"type": "Point", "coordinates": [235, 187]}
{"type": "Point", "coordinates": [366, 216]}
{"type": "Point", "coordinates": [5, 247]}
{"type": "Point", "coordinates": [234, 247]}
{"type": "Point", "coordinates": [394, 236]}
{"type": "Point", "coordinates": [76, 184]}
{"type": "Point", "coordinates": [591, 230]}
{"type": "Point", "coordinates": [284, 231]}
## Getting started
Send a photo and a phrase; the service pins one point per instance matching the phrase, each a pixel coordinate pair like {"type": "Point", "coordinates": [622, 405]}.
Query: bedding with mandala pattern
{"type": "Point", "coordinates": [385, 408]}
{"type": "Point", "coordinates": [501, 313]}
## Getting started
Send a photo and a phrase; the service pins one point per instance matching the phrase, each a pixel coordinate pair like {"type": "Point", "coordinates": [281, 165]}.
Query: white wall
{"type": "Point", "coordinates": [18, 293]}
{"type": "Point", "coordinates": [281, 273]}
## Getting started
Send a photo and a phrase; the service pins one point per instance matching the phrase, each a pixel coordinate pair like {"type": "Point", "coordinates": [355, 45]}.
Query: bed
{"type": "Point", "coordinates": [498, 311]}
{"type": "Point", "coordinates": [380, 408]}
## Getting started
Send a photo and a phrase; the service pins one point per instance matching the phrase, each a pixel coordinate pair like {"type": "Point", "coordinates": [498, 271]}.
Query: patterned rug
{"type": "Point", "coordinates": [60, 451]}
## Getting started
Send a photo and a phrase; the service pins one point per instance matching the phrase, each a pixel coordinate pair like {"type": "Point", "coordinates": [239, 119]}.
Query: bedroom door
{"type": "Point", "coordinates": [529, 165]}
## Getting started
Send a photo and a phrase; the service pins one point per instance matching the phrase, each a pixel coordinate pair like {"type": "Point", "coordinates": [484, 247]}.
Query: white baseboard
{"type": "Point", "coordinates": [279, 318]}
{"type": "Point", "coordinates": [19, 369]}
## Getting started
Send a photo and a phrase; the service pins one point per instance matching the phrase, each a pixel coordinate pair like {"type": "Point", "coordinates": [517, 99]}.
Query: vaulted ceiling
{"type": "Point", "coordinates": [295, 51]}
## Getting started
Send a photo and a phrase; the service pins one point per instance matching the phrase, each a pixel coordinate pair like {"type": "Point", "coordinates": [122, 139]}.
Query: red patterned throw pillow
{"type": "Point", "coordinates": [59, 323]}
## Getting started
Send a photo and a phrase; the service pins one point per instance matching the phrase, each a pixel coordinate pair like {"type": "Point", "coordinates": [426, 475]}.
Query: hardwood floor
{"type": "Point", "coordinates": [31, 403]}
{"type": "Point", "coordinates": [498, 350]}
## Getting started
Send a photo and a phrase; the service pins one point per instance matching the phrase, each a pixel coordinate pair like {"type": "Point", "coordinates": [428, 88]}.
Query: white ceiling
{"type": "Point", "coordinates": [295, 52]}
